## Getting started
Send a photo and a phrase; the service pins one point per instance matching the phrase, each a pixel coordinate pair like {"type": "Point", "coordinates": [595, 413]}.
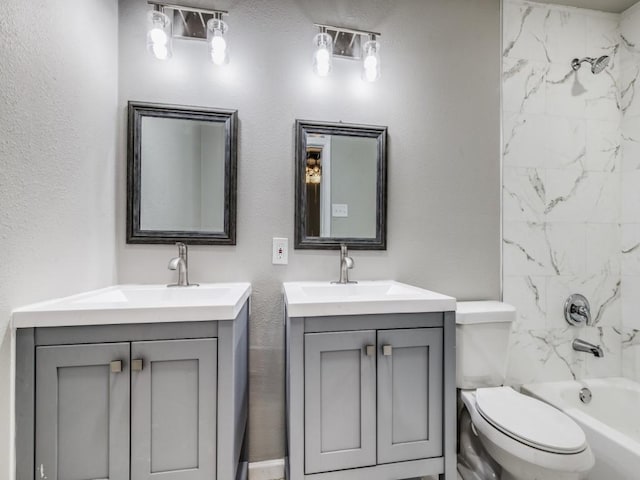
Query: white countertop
{"type": "Point", "coordinates": [320, 299]}
{"type": "Point", "coordinates": [127, 304]}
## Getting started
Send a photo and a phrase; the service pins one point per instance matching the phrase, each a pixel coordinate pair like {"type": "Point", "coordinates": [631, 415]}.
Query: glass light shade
{"type": "Point", "coordinates": [371, 61]}
{"type": "Point", "coordinates": [218, 48]}
{"type": "Point", "coordinates": [159, 35]}
{"type": "Point", "coordinates": [323, 54]}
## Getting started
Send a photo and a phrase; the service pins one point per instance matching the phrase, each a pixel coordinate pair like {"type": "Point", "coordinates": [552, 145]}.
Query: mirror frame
{"type": "Point", "coordinates": [138, 110]}
{"type": "Point", "coordinates": [304, 127]}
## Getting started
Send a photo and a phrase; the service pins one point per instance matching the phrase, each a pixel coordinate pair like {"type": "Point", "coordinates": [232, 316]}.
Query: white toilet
{"type": "Point", "coordinates": [529, 439]}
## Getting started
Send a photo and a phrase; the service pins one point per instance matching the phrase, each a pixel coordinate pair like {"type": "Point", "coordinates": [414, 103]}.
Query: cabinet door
{"type": "Point", "coordinates": [173, 409]}
{"type": "Point", "coordinates": [340, 391]}
{"type": "Point", "coordinates": [409, 394]}
{"type": "Point", "coordinates": [82, 412]}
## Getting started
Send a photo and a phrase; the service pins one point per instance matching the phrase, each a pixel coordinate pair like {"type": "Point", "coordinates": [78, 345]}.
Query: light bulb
{"type": "Point", "coordinates": [159, 35]}
{"type": "Point", "coordinates": [323, 62]}
{"type": "Point", "coordinates": [160, 51]}
{"type": "Point", "coordinates": [219, 43]}
{"type": "Point", "coordinates": [371, 63]}
{"type": "Point", "coordinates": [218, 49]}
{"type": "Point", "coordinates": [323, 55]}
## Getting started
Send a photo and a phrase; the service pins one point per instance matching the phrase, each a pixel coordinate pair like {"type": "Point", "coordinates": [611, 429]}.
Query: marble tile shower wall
{"type": "Point", "coordinates": [561, 188]}
{"type": "Point", "coordinates": [630, 222]}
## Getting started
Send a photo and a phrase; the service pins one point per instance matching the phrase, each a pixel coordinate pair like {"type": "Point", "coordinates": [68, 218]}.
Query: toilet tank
{"type": "Point", "coordinates": [482, 337]}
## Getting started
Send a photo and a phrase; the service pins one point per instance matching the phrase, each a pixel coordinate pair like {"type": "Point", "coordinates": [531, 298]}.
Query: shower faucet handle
{"type": "Point", "coordinates": [577, 311]}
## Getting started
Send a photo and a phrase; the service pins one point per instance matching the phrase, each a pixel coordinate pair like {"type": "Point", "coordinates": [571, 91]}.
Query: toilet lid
{"type": "Point", "coordinates": [530, 421]}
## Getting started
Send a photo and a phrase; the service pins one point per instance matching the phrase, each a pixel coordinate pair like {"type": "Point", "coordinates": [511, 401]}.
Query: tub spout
{"type": "Point", "coordinates": [582, 346]}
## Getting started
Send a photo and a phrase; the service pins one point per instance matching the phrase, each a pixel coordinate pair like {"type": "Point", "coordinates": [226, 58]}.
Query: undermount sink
{"type": "Point", "coordinates": [313, 299]}
{"type": "Point", "coordinates": [138, 304]}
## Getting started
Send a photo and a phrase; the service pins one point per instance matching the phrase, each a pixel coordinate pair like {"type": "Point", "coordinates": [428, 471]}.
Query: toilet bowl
{"type": "Point", "coordinates": [528, 439]}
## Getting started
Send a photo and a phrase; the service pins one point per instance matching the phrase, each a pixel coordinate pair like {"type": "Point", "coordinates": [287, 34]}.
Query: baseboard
{"type": "Point", "coordinates": [274, 470]}
{"type": "Point", "coordinates": [267, 470]}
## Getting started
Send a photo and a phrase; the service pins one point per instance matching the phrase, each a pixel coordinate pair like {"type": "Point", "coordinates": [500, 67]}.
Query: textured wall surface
{"type": "Point", "coordinates": [57, 159]}
{"type": "Point", "coordinates": [561, 188]}
{"type": "Point", "coordinates": [439, 96]}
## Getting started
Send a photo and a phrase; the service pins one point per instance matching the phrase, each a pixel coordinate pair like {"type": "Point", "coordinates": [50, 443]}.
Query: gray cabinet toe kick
{"type": "Point", "coordinates": [133, 402]}
{"type": "Point", "coordinates": [371, 396]}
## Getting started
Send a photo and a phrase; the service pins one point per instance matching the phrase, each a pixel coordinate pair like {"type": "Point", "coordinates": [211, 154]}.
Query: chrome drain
{"type": "Point", "coordinates": [585, 395]}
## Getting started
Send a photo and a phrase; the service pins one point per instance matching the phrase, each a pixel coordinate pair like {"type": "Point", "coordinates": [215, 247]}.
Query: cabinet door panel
{"type": "Point", "coordinates": [340, 420]}
{"type": "Point", "coordinates": [173, 410]}
{"type": "Point", "coordinates": [82, 412]}
{"type": "Point", "coordinates": [409, 394]}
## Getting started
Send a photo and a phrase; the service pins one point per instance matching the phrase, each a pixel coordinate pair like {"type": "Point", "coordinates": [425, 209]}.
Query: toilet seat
{"type": "Point", "coordinates": [530, 421]}
{"type": "Point", "coordinates": [524, 460]}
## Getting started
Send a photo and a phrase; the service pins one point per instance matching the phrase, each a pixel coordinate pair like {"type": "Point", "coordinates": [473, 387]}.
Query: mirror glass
{"type": "Point", "coordinates": [181, 175]}
{"type": "Point", "coordinates": [340, 185]}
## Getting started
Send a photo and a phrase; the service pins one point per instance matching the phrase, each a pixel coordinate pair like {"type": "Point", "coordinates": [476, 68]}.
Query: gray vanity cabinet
{"type": "Point", "coordinates": [158, 401]}
{"type": "Point", "coordinates": [371, 396]}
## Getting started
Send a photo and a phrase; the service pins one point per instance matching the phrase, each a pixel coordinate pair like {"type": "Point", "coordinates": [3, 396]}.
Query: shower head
{"type": "Point", "coordinates": [597, 64]}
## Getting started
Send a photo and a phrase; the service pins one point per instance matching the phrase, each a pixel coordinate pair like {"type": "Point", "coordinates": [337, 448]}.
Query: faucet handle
{"type": "Point", "coordinates": [182, 249]}
{"type": "Point", "coordinates": [349, 262]}
{"type": "Point", "coordinates": [577, 310]}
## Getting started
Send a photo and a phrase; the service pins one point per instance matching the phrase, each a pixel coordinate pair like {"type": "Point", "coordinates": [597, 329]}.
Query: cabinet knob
{"type": "Point", "coordinates": [136, 365]}
{"type": "Point", "coordinates": [370, 350]}
{"type": "Point", "coordinates": [387, 350]}
{"type": "Point", "coordinates": [116, 366]}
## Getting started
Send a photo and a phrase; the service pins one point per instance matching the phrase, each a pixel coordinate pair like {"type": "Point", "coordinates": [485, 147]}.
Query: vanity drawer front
{"type": "Point", "coordinates": [339, 399]}
{"type": "Point", "coordinates": [173, 409]}
{"type": "Point", "coordinates": [82, 412]}
{"type": "Point", "coordinates": [410, 386]}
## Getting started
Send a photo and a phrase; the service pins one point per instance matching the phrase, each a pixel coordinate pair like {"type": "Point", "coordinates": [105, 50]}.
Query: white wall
{"type": "Point", "coordinates": [57, 159]}
{"type": "Point", "coordinates": [439, 96]}
{"type": "Point", "coordinates": [561, 188]}
{"type": "Point", "coordinates": [630, 102]}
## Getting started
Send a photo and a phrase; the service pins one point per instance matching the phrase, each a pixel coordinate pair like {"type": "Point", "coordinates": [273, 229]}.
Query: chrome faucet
{"type": "Point", "coordinates": [346, 263]}
{"type": "Point", "coordinates": [181, 263]}
{"type": "Point", "coordinates": [582, 346]}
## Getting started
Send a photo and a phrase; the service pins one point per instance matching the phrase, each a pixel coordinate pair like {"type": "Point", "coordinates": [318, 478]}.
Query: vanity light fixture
{"type": "Point", "coordinates": [159, 33]}
{"type": "Point", "coordinates": [371, 62]}
{"type": "Point", "coordinates": [323, 54]}
{"type": "Point", "coordinates": [218, 49]}
{"type": "Point", "coordinates": [167, 21]}
{"type": "Point", "coordinates": [347, 43]}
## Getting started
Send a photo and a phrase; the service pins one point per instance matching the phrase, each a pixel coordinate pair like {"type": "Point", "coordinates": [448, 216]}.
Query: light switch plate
{"type": "Point", "coordinates": [280, 251]}
{"type": "Point", "coordinates": [339, 210]}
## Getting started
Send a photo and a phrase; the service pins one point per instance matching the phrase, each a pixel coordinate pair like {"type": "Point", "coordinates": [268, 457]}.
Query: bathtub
{"type": "Point", "coordinates": [611, 421]}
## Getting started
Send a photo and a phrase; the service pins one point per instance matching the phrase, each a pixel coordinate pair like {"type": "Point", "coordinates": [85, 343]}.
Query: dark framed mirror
{"type": "Point", "coordinates": [181, 174]}
{"type": "Point", "coordinates": [341, 185]}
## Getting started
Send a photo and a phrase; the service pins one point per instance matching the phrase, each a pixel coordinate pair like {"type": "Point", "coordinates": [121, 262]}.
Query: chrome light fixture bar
{"type": "Point", "coordinates": [347, 43]}
{"type": "Point", "coordinates": [184, 22]}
